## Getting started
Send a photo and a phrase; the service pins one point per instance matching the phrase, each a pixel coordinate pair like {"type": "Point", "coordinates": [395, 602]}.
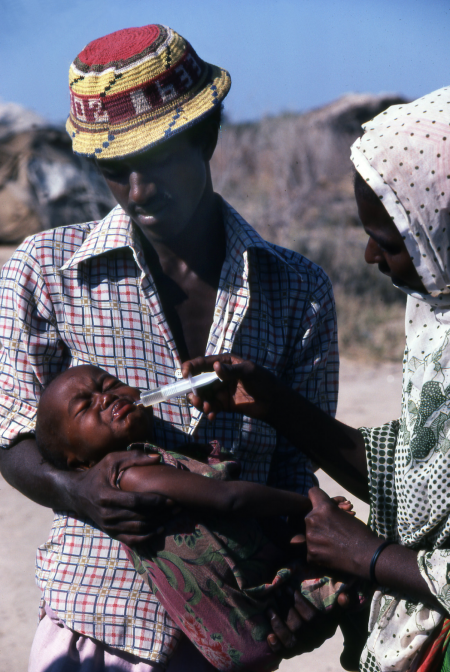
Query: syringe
{"type": "Point", "coordinates": [177, 389]}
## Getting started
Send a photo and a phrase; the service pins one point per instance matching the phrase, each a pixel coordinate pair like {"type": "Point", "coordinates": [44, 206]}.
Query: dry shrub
{"type": "Point", "coordinates": [292, 179]}
{"type": "Point", "coordinates": [370, 309]}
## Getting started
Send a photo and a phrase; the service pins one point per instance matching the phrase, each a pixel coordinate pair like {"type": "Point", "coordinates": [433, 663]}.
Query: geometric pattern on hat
{"type": "Point", "coordinates": [137, 87]}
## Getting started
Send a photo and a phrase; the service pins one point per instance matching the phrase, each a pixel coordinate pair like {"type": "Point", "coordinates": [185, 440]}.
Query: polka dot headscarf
{"type": "Point", "coordinates": [404, 156]}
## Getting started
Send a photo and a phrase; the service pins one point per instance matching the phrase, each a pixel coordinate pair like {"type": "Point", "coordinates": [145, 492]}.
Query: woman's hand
{"type": "Point", "coordinates": [336, 540]}
{"type": "Point", "coordinates": [340, 542]}
{"type": "Point", "coordinates": [132, 518]}
{"type": "Point", "coordinates": [246, 388]}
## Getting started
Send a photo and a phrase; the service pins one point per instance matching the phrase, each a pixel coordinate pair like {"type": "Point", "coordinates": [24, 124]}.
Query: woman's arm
{"type": "Point", "coordinates": [344, 543]}
{"type": "Point", "coordinates": [206, 494]}
{"type": "Point", "coordinates": [252, 390]}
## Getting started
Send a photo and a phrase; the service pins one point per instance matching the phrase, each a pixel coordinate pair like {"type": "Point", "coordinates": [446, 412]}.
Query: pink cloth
{"type": "Point", "coordinates": [56, 648]}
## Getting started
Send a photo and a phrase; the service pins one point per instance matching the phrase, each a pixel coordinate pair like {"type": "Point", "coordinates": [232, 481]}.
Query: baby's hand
{"type": "Point", "coordinates": [344, 504]}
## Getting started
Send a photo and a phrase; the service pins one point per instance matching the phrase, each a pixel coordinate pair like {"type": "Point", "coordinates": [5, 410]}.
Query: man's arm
{"type": "Point", "coordinates": [89, 494]}
{"type": "Point", "coordinates": [32, 352]}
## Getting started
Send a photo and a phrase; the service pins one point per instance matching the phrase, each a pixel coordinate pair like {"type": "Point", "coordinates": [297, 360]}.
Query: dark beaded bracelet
{"type": "Point", "coordinates": [375, 557]}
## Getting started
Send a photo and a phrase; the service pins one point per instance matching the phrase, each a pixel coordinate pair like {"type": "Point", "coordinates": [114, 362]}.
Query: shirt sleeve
{"type": "Point", "coordinates": [31, 348]}
{"type": "Point", "coordinates": [313, 370]}
{"type": "Point", "coordinates": [380, 445]}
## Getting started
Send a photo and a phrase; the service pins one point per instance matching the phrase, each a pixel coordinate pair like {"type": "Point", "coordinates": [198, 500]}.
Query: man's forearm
{"type": "Point", "coordinates": [23, 467]}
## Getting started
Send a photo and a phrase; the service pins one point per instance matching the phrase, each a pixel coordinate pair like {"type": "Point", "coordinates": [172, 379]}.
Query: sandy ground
{"type": "Point", "coordinates": [370, 394]}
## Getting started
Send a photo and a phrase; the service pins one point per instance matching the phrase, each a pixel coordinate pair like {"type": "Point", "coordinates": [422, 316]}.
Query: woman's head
{"type": "Point", "coordinates": [385, 246]}
{"type": "Point", "coordinates": [85, 413]}
{"type": "Point", "coordinates": [404, 159]}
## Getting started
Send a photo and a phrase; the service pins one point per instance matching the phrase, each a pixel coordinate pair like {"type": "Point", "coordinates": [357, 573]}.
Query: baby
{"type": "Point", "coordinates": [216, 568]}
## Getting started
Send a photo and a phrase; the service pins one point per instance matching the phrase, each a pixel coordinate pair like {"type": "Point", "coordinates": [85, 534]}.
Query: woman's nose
{"type": "Point", "coordinates": [373, 253]}
{"type": "Point", "coordinates": [141, 187]}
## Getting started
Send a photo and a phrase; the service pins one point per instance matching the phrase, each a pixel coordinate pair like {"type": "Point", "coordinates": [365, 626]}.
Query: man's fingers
{"type": "Point", "coordinates": [304, 608]}
{"type": "Point", "coordinates": [344, 600]}
{"type": "Point", "coordinates": [136, 540]}
{"type": "Point", "coordinates": [285, 636]}
{"type": "Point", "coordinates": [294, 621]}
{"type": "Point", "coordinates": [273, 642]}
{"type": "Point", "coordinates": [134, 458]}
{"type": "Point", "coordinates": [136, 503]}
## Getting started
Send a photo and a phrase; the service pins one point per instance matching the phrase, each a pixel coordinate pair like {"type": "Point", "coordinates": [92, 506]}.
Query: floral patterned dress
{"type": "Point", "coordinates": [217, 576]}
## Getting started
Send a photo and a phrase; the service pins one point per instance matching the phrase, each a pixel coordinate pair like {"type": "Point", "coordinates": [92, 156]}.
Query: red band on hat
{"type": "Point", "coordinates": [148, 96]}
{"type": "Point", "coordinates": [119, 46]}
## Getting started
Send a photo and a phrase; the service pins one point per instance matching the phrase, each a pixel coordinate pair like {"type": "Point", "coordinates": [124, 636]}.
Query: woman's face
{"type": "Point", "coordinates": [385, 246]}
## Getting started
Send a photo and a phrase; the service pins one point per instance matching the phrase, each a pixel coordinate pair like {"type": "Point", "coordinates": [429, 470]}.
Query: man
{"type": "Point", "coordinates": [171, 273]}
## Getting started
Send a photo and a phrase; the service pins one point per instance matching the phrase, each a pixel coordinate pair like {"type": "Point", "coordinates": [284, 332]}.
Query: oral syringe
{"type": "Point", "coordinates": [178, 389]}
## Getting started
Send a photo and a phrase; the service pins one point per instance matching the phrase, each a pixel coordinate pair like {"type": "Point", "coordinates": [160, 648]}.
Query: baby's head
{"type": "Point", "coordinates": [86, 413]}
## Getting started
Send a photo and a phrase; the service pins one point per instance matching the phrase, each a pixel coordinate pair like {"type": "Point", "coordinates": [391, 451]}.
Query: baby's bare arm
{"type": "Point", "coordinates": [199, 492]}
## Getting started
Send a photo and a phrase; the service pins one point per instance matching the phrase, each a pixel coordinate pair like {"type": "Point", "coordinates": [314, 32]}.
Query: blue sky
{"type": "Point", "coordinates": [283, 55]}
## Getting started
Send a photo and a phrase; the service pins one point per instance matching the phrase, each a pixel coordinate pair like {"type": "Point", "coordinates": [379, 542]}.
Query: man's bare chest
{"type": "Point", "coordinates": [189, 310]}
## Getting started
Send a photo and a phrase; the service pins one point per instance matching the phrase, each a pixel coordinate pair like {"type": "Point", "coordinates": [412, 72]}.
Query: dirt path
{"type": "Point", "coordinates": [369, 395]}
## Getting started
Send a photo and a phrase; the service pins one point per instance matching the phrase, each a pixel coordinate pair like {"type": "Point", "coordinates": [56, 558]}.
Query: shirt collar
{"type": "Point", "coordinates": [114, 232]}
{"type": "Point", "coordinates": [241, 237]}
{"type": "Point", "coordinates": [117, 231]}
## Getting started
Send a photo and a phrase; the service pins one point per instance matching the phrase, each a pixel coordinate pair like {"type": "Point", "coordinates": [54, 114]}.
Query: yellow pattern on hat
{"type": "Point", "coordinates": [136, 88]}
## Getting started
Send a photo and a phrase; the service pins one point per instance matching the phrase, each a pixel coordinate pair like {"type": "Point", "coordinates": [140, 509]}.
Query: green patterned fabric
{"type": "Point", "coordinates": [446, 662]}
{"type": "Point", "coordinates": [403, 157]}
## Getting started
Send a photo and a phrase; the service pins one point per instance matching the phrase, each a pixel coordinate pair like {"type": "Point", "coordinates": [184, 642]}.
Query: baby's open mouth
{"type": "Point", "coordinates": [121, 408]}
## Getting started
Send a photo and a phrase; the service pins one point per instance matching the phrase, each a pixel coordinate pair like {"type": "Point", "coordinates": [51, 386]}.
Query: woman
{"type": "Point", "coordinates": [402, 189]}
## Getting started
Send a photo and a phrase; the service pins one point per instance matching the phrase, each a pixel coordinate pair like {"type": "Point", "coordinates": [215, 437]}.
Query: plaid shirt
{"type": "Point", "coordinates": [84, 294]}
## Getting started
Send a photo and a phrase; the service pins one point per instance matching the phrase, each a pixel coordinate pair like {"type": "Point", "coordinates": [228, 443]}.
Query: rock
{"type": "Point", "coordinates": [42, 183]}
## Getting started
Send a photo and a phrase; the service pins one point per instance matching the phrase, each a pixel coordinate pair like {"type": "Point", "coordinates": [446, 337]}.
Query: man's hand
{"type": "Point", "coordinates": [132, 518]}
{"type": "Point", "coordinates": [305, 628]}
{"type": "Point", "coordinates": [246, 388]}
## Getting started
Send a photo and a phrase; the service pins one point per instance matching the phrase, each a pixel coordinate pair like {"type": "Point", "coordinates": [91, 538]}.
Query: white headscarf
{"type": "Point", "coordinates": [404, 155]}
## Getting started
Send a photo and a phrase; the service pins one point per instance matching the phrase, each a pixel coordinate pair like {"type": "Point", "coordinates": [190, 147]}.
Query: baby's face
{"type": "Point", "coordinates": [96, 414]}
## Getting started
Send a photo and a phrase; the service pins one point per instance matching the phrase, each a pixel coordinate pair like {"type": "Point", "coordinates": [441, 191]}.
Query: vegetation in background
{"type": "Point", "coordinates": [291, 177]}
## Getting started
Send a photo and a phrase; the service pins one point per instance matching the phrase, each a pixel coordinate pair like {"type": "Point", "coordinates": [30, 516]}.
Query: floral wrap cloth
{"type": "Point", "coordinates": [217, 576]}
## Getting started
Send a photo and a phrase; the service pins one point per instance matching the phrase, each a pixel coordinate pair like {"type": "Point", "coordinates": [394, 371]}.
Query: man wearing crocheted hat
{"type": "Point", "coordinates": [173, 272]}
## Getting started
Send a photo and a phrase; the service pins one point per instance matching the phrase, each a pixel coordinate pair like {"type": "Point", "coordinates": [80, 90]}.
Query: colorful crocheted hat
{"type": "Point", "coordinates": [137, 87]}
